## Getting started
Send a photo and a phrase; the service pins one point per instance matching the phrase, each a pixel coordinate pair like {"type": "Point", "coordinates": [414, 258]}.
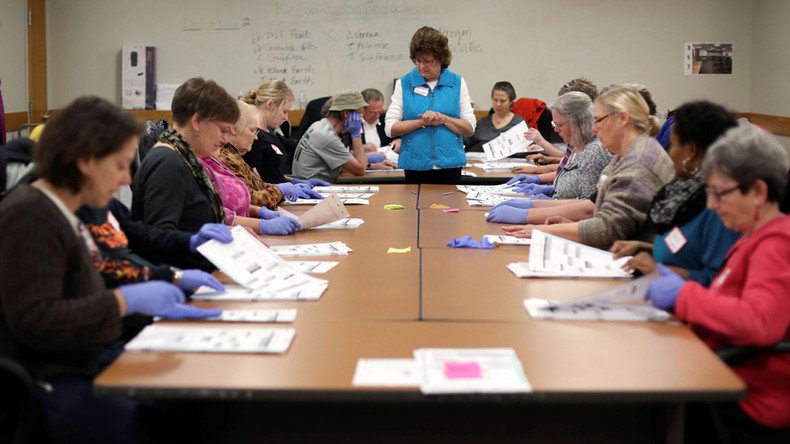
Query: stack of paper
{"type": "Point", "coordinates": [552, 256]}
{"type": "Point", "coordinates": [313, 266]}
{"type": "Point", "coordinates": [508, 143]}
{"type": "Point", "coordinates": [501, 165]}
{"type": "Point", "coordinates": [326, 211]}
{"type": "Point", "coordinates": [325, 249]}
{"type": "Point", "coordinates": [448, 370]}
{"type": "Point", "coordinates": [500, 239]}
{"type": "Point", "coordinates": [177, 338]}
{"type": "Point", "coordinates": [620, 303]}
{"type": "Point", "coordinates": [301, 201]}
{"type": "Point", "coordinates": [261, 316]}
{"type": "Point", "coordinates": [347, 223]}
{"type": "Point", "coordinates": [346, 189]}
{"type": "Point", "coordinates": [302, 290]}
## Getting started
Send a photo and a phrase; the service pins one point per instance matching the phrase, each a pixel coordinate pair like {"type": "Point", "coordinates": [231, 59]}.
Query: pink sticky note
{"type": "Point", "coordinates": [451, 210]}
{"type": "Point", "coordinates": [462, 370]}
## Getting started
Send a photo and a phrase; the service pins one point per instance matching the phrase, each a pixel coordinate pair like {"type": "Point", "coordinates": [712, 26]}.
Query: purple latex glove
{"type": "Point", "coordinates": [279, 226]}
{"type": "Point", "coordinates": [306, 192]}
{"type": "Point", "coordinates": [376, 158]}
{"type": "Point", "coordinates": [469, 242]}
{"type": "Point", "coordinates": [354, 124]}
{"type": "Point", "coordinates": [540, 197]}
{"type": "Point", "coordinates": [523, 178]}
{"type": "Point", "coordinates": [289, 190]}
{"type": "Point", "coordinates": [183, 311]}
{"type": "Point", "coordinates": [207, 232]}
{"type": "Point", "coordinates": [664, 291]}
{"type": "Point", "coordinates": [507, 215]}
{"type": "Point", "coordinates": [267, 214]}
{"type": "Point", "coordinates": [534, 188]}
{"type": "Point", "coordinates": [524, 204]}
{"type": "Point", "coordinates": [152, 298]}
{"type": "Point", "coordinates": [192, 279]}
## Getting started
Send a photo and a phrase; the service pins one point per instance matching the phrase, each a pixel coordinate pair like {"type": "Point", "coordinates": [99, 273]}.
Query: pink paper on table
{"type": "Point", "coordinates": [462, 370]}
{"type": "Point", "coordinates": [451, 210]}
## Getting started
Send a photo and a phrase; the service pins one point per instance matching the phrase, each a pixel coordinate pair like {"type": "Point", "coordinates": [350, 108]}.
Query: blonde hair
{"type": "Point", "coordinates": [274, 90]}
{"type": "Point", "coordinates": [627, 98]}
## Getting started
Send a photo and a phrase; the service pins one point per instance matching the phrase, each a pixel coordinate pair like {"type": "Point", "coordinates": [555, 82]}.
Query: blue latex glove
{"type": "Point", "coordinates": [192, 279]}
{"type": "Point", "coordinates": [534, 188]}
{"type": "Point", "coordinates": [468, 242]}
{"type": "Point", "coordinates": [267, 214]}
{"type": "Point", "coordinates": [354, 124]}
{"type": "Point", "coordinates": [540, 197]}
{"type": "Point", "coordinates": [664, 291]}
{"type": "Point", "coordinates": [376, 158]}
{"type": "Point", "coordinates": [152, 298]}
{"type": "Point", "coordinates": [524, 204]}
{"type": "Point", "coordinates": [507, 215]}
{"type": "Point", "coordinates": [290, 191]}
{"type": "Point", "coordinates": [306, 192]}
{"type": "Point", "coordinates": [207, 232]}
{"type": "Point", "coordinates": [280, 226]}
{"type": "Point", "coordinates": [311, 182]}
{"type": "Point", "coordinates": [182, 311]}
{"type": "Point", "coordinates": [524, 178]}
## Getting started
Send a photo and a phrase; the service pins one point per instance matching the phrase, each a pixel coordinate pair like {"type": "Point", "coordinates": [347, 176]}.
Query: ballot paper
{"type": "Point", "coordinates": [349, 195]}
{"type": "Point", "coordinates": [346, 189]}
{"type": "Point", "coordinates": [348, 223]}
{"type": "Point", "coordinates": [501, 165]}
{"type": "Point", "coordinates": [624, 302]}
{"type": "Point", "coordinates": [326, 211]}
{"type": "Point", "coordinates": [263, 316]}
{"type": "Point", "coordinates": [310, 291]}
{"type": "Point", "coordinates": [326, 249]}
{"type": "Point", "coordinates": [508, 143]}
{"type": "Point", "coordinates": [552, 256]}
{"type": "Point", "coordinates": [501, 239]}
{"type": "Point", "coordinates": [313, 266]}
{"type": "Point", "coordinates": [182, 338]}
{"type": "Point", "coordinates": [478, 199]}
{"type": "Point", "coordinates": [253, 265]}
{"type": "Point", "coordinates": [301, 201]}
{"type": "Point", "coordinates": [470, 370]}
{"type": "Point", "coordinates": [502, 189]}
{"type": "Point", "coordinates": [386, 373]}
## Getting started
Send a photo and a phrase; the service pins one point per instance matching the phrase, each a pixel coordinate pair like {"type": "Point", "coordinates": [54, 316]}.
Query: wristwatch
{"type": "Point", "coordinates": [178, 274]}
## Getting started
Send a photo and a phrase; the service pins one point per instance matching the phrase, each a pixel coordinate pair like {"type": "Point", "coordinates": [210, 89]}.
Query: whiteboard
{"type": "Point", "coordinates": [321, 47]}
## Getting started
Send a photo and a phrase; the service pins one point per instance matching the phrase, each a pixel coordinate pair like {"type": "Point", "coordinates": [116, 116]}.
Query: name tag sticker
{"type": "Point", "coordinates": [421, 90]}
{"type": "Point", "coordinates": [675, 240]}
{"type": "Point", "coordinates": [276, 149]}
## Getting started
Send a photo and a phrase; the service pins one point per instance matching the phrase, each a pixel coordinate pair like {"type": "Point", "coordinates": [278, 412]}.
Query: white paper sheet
{"type": "Point", "coordinates": [301, 201]}
{"type": "Point", "coordinates": [386, 373]}
{"type": "Point", "coordinates": [253, 265]}
{"type": "Point", "coordinates": [316, 267]}
{"type": "Point", "coordinates": [328, 210]}
{"type": "Point", "coordinates": [554, 256]}
{"type": "Point", "coordinates": [324, 249]}
{"type": "Point", "coordinates": [508, 143]}
{"type": "Point", "coordinates": [177, 338]}
{"type": "Point", "coordinates": [346, 189]}
{"type": "Point", "coordinates": [500, 371]}
{"type": "Point", "coordinates": [349, 195]}
{"type": "Point", "coordinates": [310, 291]}
{"type": "Point", "coordinates": [348, 223]}
{"type": "Point", "coordinates": [263, 316]}
{"type": "Point", "coordinates": [545, 309]}
{"type": "Point", "coordinates": [506, 240]}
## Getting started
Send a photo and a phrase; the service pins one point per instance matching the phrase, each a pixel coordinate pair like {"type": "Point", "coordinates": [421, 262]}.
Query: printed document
{"type": "Point", "coordinates": [178, 338]}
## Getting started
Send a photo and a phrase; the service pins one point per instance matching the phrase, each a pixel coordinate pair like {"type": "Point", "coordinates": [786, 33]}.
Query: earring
{"type": "Point", "coordinates": [686, 169]}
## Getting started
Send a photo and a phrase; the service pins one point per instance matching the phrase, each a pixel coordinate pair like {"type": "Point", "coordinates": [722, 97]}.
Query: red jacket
{"type": "Point", "coordinates": [529, 109]}
{"type": "Point", "coordinates": [748, 304]}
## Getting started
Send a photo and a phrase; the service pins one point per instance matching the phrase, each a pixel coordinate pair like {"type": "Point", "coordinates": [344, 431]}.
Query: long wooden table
{"type": "Point", "coordinates": [381, 305]}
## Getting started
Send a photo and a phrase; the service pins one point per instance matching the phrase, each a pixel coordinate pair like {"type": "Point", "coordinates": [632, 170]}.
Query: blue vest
{"type": "Point", "coordinates": [431, 146]}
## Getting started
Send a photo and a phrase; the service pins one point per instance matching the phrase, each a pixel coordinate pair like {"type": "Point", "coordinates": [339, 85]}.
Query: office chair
{"type": "Point", "coordinates": [19, 405]}
{"type": "Point", "coordinates": [735, 355]}
{"type": "Point", "coordinates": [312, 114]}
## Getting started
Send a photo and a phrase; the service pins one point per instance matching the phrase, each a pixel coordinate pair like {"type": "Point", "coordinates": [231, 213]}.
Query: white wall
{"type": "Point", "coordinates": [13, 54]}
{"type": "Point", "coordinates": [537, 45]}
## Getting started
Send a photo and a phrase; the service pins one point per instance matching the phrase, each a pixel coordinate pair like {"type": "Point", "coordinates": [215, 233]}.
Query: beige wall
{"type": "Point", "coordinates": [13, 54]}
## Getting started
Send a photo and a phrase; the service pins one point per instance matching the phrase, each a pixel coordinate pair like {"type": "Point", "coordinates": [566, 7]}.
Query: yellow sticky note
{"type": "Point", "coordinates": [439, 207]}
{"type": "Point", "coordinates": [394, 207]}
{"type": "Point", "coordinates": [399, 250]}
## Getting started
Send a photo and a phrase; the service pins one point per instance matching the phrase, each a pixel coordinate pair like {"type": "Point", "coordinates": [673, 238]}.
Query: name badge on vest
{"type": "Point", "coordinates": [421, 90]}
{"type": "Point", "coordinates": [277, 150]}
{"type": "Point", "coordinates": [675, 240]}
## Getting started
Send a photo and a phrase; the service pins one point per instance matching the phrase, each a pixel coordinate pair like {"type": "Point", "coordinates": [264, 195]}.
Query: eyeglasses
{"type": "Point", "coordinates": [558, 125]}
{"type": "Point", "coordinates": [600, 119]}
{"type": "Point", "coordinates": [717, 195]}
{"type": "Point", "coordinates": [424, 62]}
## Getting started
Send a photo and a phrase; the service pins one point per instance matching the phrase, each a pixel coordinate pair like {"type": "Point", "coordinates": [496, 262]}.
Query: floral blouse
{"type": "Point", "coordinates": [232, 191]}
{"type": "Point", "coordinates": [262, 194]}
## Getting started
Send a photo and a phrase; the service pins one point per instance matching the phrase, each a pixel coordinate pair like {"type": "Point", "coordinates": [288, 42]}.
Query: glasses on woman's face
{"type": "Point", "coordinates": [424, 62]}
{"type": "Point", "coordinates": [716, 196]}
{"type": "Point", "coordinates": [597, 120]}
{"type": "Point", "coordinates": [558, 125]}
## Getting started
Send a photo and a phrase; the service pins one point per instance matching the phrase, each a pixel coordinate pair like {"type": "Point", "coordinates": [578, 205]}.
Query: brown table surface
{"type": "Point", "coordinates": [562, 360]}
{"type": "Point", "coordinates": [465, 298]}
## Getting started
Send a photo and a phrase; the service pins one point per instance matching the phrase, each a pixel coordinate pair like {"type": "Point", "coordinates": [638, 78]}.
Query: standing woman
{"type": "Point", "coordinates": [431, 111]}
{"type": "Point", "coordinates": [56, 315]}
{"type": "Point", "coordinates": [491, 126]}
{"type": "Point", "coordinates": [171, 188]}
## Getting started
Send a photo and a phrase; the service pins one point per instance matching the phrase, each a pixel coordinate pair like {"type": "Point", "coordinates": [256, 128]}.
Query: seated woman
{"type": "Point", "coordinates": [639, 168]}
{"type": "Point", "coordinates": [321, 154]}
{"type": "Point", "coordinates": [578, 173]}
{"type": "Point", "coordinates": [56, 315]}
{"type": "Point", "coordinates": [747, 304]}
{"type": "Point", "coordinates": [233, 192]}
{"type": "Point", "coordinates": [171, 188]}
{"type": "Point", "coordinates": [691, 240]}
{"type": "Point", "coordinates": [491, 126]}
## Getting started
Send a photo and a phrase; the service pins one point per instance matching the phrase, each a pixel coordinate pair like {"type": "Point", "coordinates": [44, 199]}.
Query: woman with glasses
{"type": "Point", "coordinates": [748, 303]}
{"type": "Point", "coordinates": [578, 173]}
{"type": "Point", "coordinates": [431, 111]}
{"type": "Point", "coordinates": [638, 169]}
{"type": "Point", "coordinates": [502, 119]}
{"type": "Point", "coordinates": [690, 239]}
{"type": "Point", "coordinates": [233, 191]}
{"type": "Point", "coordinates": [171, 188]}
